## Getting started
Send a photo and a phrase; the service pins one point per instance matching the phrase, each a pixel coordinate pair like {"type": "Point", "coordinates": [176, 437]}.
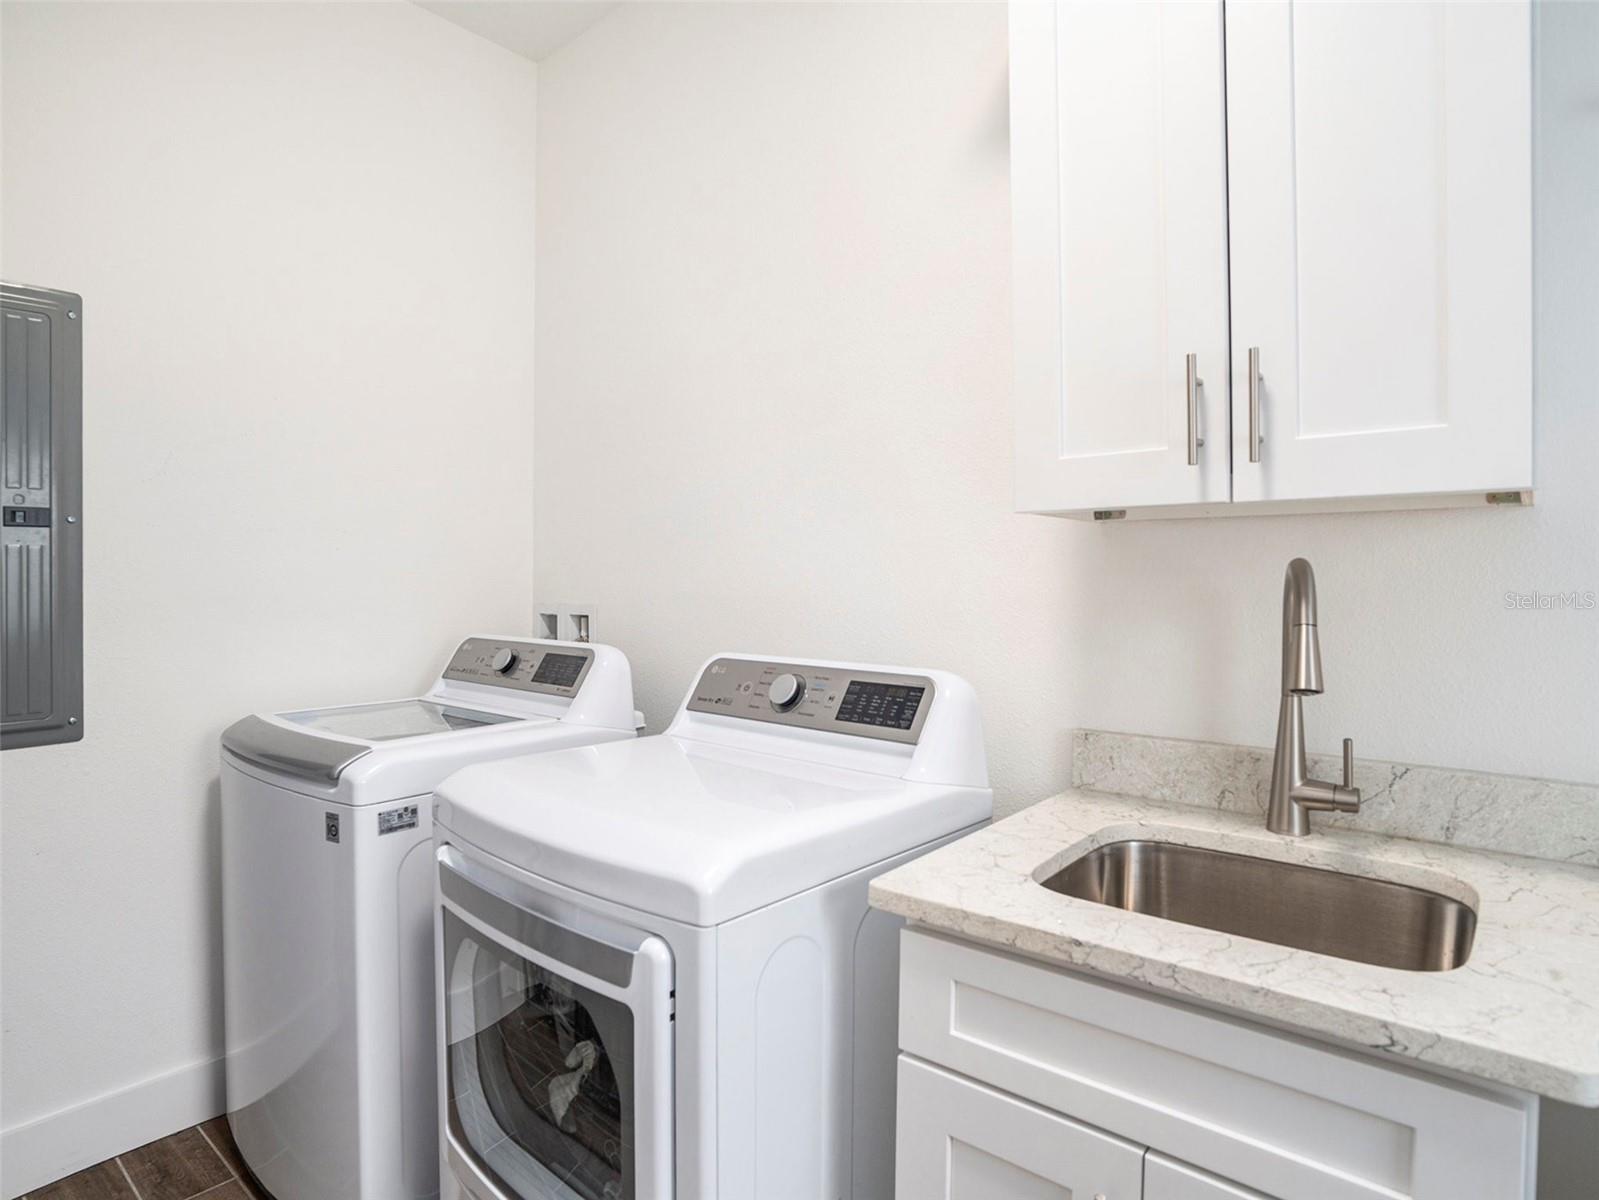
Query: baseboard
{"type": "Point", "coordinates": [50, 1147]}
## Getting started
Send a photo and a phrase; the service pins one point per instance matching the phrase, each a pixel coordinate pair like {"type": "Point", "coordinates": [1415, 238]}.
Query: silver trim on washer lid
{"type": "Point", "coordinates": [275, 748]}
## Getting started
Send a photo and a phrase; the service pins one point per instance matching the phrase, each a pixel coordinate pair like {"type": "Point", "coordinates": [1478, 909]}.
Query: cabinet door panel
{"type": "Point", "coordinates": [1379, 159]}
{"type": "Point", "coordinates": [962, 1141]}
{"type": "Point", "coordinates": [1118, 166]}
{"type": "Point", "coordinates": [1286, 1115]}
{"type": "Point", "coordinates": [1167, 1179]}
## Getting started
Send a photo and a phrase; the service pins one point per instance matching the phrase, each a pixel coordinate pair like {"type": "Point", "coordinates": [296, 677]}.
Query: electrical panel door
{"type": "Point", "coordinates": [41, 556]}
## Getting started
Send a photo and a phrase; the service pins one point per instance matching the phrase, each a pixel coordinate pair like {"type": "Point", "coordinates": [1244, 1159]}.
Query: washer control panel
{"type": "Point", "coordinates": [871, 704]}
{"type": "Point", "coordinates": [525, 666]}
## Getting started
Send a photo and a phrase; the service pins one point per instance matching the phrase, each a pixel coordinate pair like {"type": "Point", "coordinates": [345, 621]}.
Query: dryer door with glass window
{"type": "Point", "coordinates": [558, 1054]}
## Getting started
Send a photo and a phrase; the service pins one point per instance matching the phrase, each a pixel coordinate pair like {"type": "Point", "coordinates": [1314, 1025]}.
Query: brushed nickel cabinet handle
{"type": "Point", "coordinates": [1254, 404]}
{"type": "Point", "coordinates": [1194, 384]}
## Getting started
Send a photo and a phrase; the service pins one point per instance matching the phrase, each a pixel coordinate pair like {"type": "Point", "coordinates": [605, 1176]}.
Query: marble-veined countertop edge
{"type": "Point", "coordinates": [1522, 1012]}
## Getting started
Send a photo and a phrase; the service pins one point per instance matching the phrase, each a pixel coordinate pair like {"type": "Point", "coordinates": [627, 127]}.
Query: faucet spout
{"type": "Point", "coordinates": [1301, 639]}
{"type": "Point", "coordinates": [1294, 794]}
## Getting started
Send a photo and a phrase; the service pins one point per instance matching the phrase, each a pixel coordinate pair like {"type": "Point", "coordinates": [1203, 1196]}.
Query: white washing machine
{"type": "Point", "coordinates": [327, 874]}
{"type": "Point", "coordinates": [658, 973]}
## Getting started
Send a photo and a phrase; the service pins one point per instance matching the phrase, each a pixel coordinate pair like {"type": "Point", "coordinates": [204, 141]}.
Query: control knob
{"type": "Point", "coordinates": [785, 692]}
{"type": "Point", "coordinates": [504, 661]}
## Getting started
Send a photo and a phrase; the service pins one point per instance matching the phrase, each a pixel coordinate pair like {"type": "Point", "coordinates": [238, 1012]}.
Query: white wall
{"type": "Point", "coordinates": [773, 414]}
{"type": "Point", "coordinates": [302, 233]}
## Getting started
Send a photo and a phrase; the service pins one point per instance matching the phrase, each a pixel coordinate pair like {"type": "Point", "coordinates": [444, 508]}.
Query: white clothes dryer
{"type": "Point", "coordinates": [327, 880]}
{"type": "Point", "coordinates": [659, 976]}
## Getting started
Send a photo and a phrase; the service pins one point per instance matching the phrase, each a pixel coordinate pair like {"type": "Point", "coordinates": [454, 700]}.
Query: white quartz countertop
{"type": "Point", "coordinates": [1522, 1011]}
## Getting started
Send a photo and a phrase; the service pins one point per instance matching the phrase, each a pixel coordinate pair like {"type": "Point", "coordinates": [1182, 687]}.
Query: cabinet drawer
{"type": "Point", "coordinates": [1272, 1111]}
{"type": "Point", "coordinates": [962, 1141]}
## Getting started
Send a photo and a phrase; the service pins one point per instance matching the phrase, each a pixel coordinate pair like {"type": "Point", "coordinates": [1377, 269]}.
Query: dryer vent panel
{"type": "Point", "coordinates": [41, 556]}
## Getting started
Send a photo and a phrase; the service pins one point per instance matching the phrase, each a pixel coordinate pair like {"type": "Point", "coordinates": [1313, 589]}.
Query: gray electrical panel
{"type": "Point", "coordinates": [41, 555]}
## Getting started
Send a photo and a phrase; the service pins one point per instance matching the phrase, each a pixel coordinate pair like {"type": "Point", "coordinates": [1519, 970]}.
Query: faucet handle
{"type": "Point", "coordinates": [1347, 797]}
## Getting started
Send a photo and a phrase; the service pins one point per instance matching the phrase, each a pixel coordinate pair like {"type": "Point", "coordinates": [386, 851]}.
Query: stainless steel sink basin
{"type": "Point", "coordinates": [1346, 916]}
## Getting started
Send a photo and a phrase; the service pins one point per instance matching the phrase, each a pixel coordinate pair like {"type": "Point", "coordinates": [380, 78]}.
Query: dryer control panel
{"type": "Point", "coordinates": [555, 669]}
{"type": "Point", "coordinates": [871, 704]}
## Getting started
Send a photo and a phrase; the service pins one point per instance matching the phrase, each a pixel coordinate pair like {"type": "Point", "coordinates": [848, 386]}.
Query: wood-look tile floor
{"type": "Point", "coordinates": [199, 1161]}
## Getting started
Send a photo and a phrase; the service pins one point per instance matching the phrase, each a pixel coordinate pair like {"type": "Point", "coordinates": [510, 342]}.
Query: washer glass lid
{"type": "Point", "coordinates": [394, 719]}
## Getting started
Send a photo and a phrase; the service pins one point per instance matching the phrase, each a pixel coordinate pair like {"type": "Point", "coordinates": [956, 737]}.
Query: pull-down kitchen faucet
{"type": "Point", "coordinates": [1294, 795]}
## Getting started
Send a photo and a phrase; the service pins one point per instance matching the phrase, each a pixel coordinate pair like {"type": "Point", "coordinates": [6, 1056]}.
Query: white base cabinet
{"type": "Point", "coordinates": [1020, 1080]}
{"type": "Point", "coordinates": [962, 1141]}
{"type": "Point", "coordinates": [1167, 1179]}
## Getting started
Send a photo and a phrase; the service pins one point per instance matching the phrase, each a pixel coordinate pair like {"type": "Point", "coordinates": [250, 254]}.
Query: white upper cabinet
{"type": "Point", "coordinates": [1339, 192]}
{"type": "Point", "coordinates": [1379, 173]}
{"type": "Point", "coordinates": [1119, 221]}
